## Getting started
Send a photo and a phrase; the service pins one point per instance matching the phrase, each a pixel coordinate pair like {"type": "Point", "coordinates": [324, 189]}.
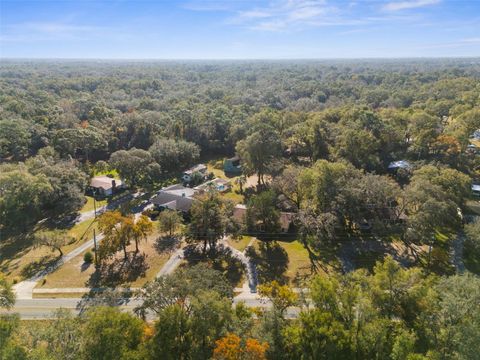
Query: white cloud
{"type": "Point", "coordinates": [288, 15]}
{"type": "Point", "coordinates": [282, 15]}
{"type": "Point", "coordinates": [408, 4]}
{"type": "Point", "coordinates": [471, 40]}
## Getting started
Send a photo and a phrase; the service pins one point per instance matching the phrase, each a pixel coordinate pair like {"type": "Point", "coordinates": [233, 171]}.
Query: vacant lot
{"type": "Point", "coordinates": [137, 270]}
{"type": "Point", "coordinates": [21, 259]}
{"type": "Point", "coordinates": [281, 260]}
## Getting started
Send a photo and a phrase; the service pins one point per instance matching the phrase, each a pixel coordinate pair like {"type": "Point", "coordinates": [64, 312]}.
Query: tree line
{"type": "Point", "coordinates": [392, 313]}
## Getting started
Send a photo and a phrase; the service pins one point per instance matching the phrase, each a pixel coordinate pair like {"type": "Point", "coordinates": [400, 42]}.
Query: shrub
{"type": "Point", "coordinates": [88, 257]}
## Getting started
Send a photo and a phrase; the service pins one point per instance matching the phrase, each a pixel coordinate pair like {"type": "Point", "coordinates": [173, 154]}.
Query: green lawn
{"type": "Point", "coordinates": [216, 172]}
{"type": "Point", "coordinates": [84, 230]}
{"type": "Point", "coordinates": [240, 244]}
{"type": "Point", "coordinates": [298, 260]}
{"type": "Point", "coordinates": [112, 172]}
{"type": "Point", "coordinates": [89, 204]}
{"type": "Point", "coordinates": [281, 260]}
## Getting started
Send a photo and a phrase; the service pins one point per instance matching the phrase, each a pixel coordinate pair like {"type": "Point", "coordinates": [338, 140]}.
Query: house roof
{"type": "Point", "coordinates": [402, 164]}
{"type": "Point", "coordinates": [104, 182]}
{"type": "Point", "coordinates": [235, 158]}
{"type": "Point", "coordinates": [172, 201]}
{"type": "Point", "coordinates": [175, 197]}
{"type": "Point", "coordinates": [196, 168]}
{"type": "Point", "coordinates": [475, 187]}
{"type": "Point", "coordinates": [285, 219]}
{"type": "Point", "coordinates": [179, 190]}
{"type": "Point", "coordinates": [239, 213]}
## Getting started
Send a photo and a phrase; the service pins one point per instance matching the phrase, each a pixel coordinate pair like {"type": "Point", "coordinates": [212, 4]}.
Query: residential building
{"type": "Point", "coordinates": [232, 166]}
{"type": "Point", "coordinates": [200, 169]}
{"type": "Point", "coordinates": [174, 197]}
{"type": "Point", "coordinates": [105, 185]}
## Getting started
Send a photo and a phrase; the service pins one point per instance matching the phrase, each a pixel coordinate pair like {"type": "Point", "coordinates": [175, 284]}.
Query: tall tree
{"type": "Point", "coordinates": [261, 151]}
{"type": "Point", "coordinates": [208, 220]}
{"type": "Point", "coordinates": [174, 156]}
{"type": "Point", "coordinates": [168, 221]}
{"type": "Point", "coordinates": [134, 165]}
{"type": "Point", "coordinates": [111, 334]}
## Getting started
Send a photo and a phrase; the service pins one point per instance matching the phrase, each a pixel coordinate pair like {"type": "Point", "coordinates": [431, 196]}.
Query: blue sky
{"type": "Point", "coordinates": [239, 29]}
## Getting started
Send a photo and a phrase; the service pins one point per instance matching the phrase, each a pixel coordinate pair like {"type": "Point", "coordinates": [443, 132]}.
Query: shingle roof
{"type": "Point", "coordinates": [175, 197]}
{"type": "Point", "coordinates": [104, 182]}
{"type": "Point", "coordinates": [173, 201]}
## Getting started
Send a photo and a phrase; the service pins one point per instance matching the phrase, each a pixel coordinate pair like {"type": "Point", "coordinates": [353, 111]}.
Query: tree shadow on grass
{"type": "Point", "coordinates": [120, 271]}
{"type": "Point", "coordinates": [219, 258]}
{"type": "Point", "coordinates": [13, 245]}
{"type": "Point", "coordinates": [166, 244]}
{"type": "Point", "coordinates": [271, 260]}
{"type": "Point", "coordinates": [43, 263]}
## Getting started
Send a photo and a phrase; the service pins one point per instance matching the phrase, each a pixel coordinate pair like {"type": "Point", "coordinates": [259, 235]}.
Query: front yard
{"type": "Point", "coordinates": [135, 272]}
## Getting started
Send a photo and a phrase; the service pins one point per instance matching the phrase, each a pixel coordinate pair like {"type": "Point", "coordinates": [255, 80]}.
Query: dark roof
{"type": "Point", "coordinates": [172, 201]}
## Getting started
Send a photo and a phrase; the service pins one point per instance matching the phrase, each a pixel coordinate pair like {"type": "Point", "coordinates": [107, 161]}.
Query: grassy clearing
{"type": "Point", "coordinates": [240, 244]}
{"type": "Point", "coordinates": [212, 167]}
{"type": "Point", "coordinates": [77, 274]}
{"type": "Point", "coordinates": [281, 260]}
{"type": "Point", "coordinates": [83, 231]}
{"type": "Point", "coordinates": [89, 204]}
{"type": "Point", "coordinates": [21, 259]}
{"type": "Point", "coordinates": [298, 260]}
{"type": "Point", "coordinates": [112, 172]}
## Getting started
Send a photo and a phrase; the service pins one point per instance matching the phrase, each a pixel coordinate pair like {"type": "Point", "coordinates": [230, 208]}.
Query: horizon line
{"type": "Point", "coordinates": [2, 58]}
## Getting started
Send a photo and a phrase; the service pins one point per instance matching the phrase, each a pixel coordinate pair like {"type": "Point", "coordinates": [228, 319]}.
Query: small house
{"type": "Point", "coordinates": [285, 220]}
{"type": "Point", "coordinates": [232, 166]}
{"type": "Point", "coordinates": [189, 174]}
{"type": "Point", "coordinates": [401, 164]}
{"type": "Point", "coordinates": [104, 185]}
{"type": "Point", "coordinates": [476, 190]}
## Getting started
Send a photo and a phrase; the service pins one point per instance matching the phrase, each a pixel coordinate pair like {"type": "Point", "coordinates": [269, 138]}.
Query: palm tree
{"type": "Point", "coordinates": [241, 180]}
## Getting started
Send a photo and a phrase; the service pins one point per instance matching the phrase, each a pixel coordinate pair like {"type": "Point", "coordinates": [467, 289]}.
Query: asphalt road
{"type": "Point", "coordinates": [40, 309]}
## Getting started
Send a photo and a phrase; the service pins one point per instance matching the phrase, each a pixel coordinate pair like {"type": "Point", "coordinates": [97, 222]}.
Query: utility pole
{"type": "Point", "coordinates": [95, 247]}
{"type": "Point", "coordinates": [94, 203]}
